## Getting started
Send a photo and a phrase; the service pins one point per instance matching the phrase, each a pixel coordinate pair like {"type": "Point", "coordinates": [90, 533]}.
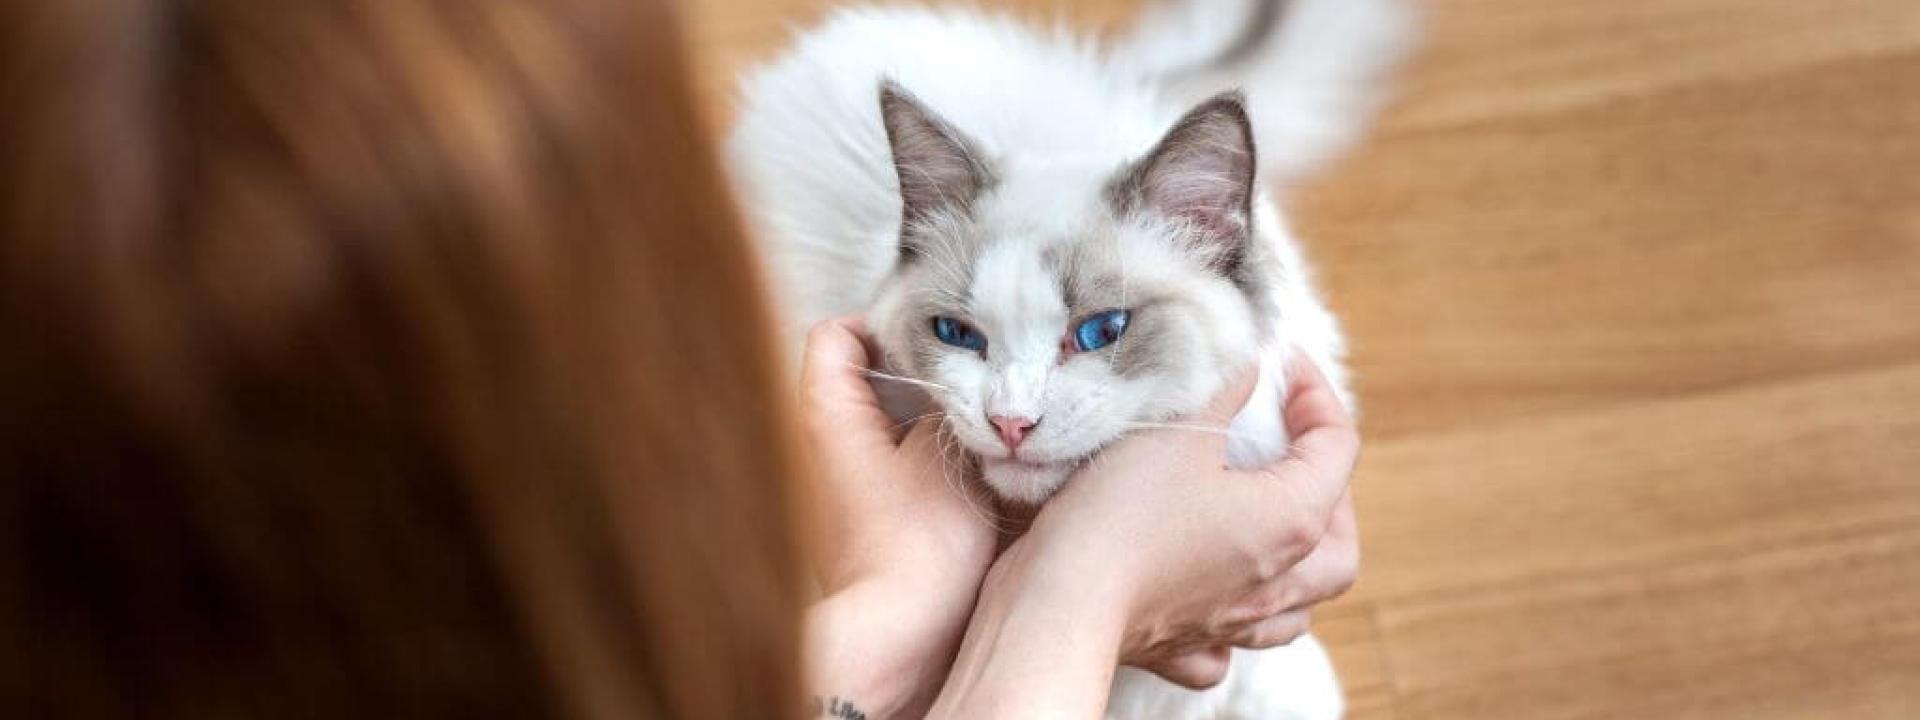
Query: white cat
{"type": "Point", "coordinates": [1060, 243]}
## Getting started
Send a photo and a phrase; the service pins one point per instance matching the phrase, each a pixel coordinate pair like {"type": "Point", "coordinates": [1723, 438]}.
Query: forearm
{"type": "Point", "coordinates": [1043, 642]}
{"type": "Point", "coordinates": [859, 655]}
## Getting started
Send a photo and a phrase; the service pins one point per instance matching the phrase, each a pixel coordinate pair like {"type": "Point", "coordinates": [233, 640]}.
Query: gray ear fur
{"type": "Point", "coordinates": [1201, 175]}
{"type": "Point", "coordinates": [938, 167]}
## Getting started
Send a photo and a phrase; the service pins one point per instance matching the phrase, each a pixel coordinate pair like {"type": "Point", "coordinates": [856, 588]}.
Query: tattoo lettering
{"type": "Point", "coordinates": [837, 708]}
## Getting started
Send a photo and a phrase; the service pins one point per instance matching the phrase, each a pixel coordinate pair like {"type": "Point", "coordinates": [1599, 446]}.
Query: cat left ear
{"type": "Point", "coordinates": [938, 168]}
{"type": "Point", "coordinates": [1200, 175]}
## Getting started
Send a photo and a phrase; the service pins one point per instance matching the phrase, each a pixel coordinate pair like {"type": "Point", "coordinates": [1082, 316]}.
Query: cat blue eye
{"type": "Point", "coordinates": [1100, 330]}
{"type": "Point", "coordinates": [959, 334]}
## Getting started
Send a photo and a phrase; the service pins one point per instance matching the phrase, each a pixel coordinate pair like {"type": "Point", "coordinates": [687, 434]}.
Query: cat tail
{"type": "Point", "coordinates": [1314, 71]}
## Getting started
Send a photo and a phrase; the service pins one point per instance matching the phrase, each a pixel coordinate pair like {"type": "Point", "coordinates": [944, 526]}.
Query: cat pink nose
{"type": "Point", "coordinates": [1012, 429]}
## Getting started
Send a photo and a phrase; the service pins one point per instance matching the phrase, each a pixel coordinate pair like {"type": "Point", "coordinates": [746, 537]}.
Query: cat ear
{"type": "Point", "coordinates": [939, 168]}
{"type": "Point", "coordinates": [1200, 175]}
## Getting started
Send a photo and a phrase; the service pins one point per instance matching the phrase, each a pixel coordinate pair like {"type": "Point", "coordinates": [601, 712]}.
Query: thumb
{"type": "Point", "coordinates": [923, 439]}
{"type": "Point", "coordinates": [836, 397]}
{"type": "Point", "coordinates": [1325, 442]}
{"type": "Point", "coordinates": [1232, 396]}
{"type": "Point", "coordinates": [1197, 670]}
{"type": "Point", "coordinates": [935, 460]}
{"type": "Point", "coordinates": [1310, 480]}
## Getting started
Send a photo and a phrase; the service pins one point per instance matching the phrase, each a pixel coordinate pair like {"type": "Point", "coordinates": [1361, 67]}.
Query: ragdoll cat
{"type": "Point", "coordinates": [1056, 243]}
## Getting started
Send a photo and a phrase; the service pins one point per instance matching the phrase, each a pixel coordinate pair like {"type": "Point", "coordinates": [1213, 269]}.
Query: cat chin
{"type": "Point", "coordinates": [1023, 482]}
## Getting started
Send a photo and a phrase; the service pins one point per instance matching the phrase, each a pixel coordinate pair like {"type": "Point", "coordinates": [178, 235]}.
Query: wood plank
{"type": "Point", "coordinates": [1824, 628]}
{"type": "Point", "coordinates": [1352, 637]}
{"type": "Point", "coordinates": [1683, 241]}
{"type": "Point", "coordinates": [1371, 705]}
{"type": "Point", "coordinates": [1501, 59]}
{"type": "Point", "coordinates": [1629, 486]}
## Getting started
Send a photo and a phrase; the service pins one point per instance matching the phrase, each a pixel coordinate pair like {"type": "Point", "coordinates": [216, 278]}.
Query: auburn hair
{"type": "Point", "coordinates": [380, 358]}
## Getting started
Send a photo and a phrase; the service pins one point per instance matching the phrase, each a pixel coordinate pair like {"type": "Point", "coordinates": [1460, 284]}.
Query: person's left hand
{"type": "Point", "coordinates": [905, 535]}
{"type": "Point", "coordinates": [1289, 526]}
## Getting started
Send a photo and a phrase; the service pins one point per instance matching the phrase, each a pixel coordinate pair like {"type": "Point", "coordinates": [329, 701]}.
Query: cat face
{"type": "Point", "coordinates": [1051, 309]}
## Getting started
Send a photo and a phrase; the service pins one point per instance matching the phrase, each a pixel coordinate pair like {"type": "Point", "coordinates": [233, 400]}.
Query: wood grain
{"type": "Point", "coordinates": [1634, 294]}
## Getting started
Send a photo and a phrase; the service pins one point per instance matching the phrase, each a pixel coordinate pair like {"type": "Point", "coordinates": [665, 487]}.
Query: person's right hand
{"type": "Point", "coordinates": [1206, 557]}
{"type": "Point", "coordinates": [904, 540]}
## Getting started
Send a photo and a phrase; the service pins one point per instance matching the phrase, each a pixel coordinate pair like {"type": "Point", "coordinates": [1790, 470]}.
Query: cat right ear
{"type": "Point", "coordinates": [1200, 175]}
{"type": "Point", "coordinates": [939, 169]}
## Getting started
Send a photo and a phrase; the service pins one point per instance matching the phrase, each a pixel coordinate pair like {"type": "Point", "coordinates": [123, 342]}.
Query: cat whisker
{"type": "Point", "coordinates": [872, 373]}
{"type": "Point", "coordinates": [909, 421]}
{"type": "Point", "coordinates": [949, 443]}
{"type": "Point", "coordinates": [1180, 426]}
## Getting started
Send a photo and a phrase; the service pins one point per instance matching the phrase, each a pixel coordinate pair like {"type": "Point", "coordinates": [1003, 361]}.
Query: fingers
{"type": "Point", "coordinates": [925, 449]}
{"type": "Point", "coordinates": [923, 439]}
{"type": "Point", "coordinates": [1313, 476]}
{"type": "Point", "coordinates": [1327, 572]}
{"type": "Point", "coordinates": [834, 343]}
{"type": "Point", "coordinates": [836, 396]}
{"type": "Point", "coordinates": [1311, 400]}
{"type": "Point", "coordinates": [1196, 670]}
{"type": "Point", "coordinates": [1232, 396]}
{"type": "Point", "coordinates": [1334, 565]}
{"type": "Point", "coordinates": [1274, 631]}
{"type": "Point", "coordinates": [1324, 437]}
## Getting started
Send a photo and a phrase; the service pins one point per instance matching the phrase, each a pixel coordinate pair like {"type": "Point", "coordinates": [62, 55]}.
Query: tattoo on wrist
{"type": "Point", "coordinates": [836, 707]}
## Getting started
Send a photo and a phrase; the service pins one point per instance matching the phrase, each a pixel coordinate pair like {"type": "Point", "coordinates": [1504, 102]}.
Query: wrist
{"type": "Point", "coordinates": [880, 647]}
{"type": "Point", "coordinates": [1105, 567]}
{"type": "Point", "coordinates": [1044, 639]}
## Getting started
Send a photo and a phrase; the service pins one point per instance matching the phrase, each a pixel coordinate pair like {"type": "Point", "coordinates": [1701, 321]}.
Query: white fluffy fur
{"type": "Point", "coordinates": [1310, 89]}
{"type": "Point", "coordinates": [1057, 115]}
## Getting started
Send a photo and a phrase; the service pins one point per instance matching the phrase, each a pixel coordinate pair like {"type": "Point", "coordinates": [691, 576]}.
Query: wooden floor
{"type": "Point", "coordinates": [1634, 293]}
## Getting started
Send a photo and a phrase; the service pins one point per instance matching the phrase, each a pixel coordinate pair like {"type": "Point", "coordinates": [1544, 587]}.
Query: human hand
{"type": "Point", "coordinates": [1207, 557]}
{"type": "Point", "coordinates": [1327, 572]}
{"type": "Point", "coordinates": [904, 538]}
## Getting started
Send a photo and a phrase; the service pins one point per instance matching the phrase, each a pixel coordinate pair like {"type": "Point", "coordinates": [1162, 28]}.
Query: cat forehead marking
{"type": "Point", "coordinates": [1018, 298]}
